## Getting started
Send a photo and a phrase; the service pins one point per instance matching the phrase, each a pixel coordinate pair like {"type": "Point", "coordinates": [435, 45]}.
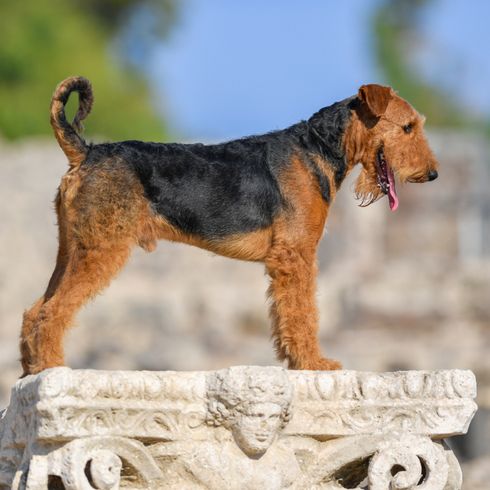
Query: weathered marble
{"type": "Point", "coordinates": [244, 427]}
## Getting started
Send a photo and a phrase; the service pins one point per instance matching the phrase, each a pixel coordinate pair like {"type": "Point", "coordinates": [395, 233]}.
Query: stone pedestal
{"type": "Point", "coordinates": [254, 428]}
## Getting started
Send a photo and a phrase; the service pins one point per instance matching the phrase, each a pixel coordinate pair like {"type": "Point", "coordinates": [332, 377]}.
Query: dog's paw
{"type": "Point", "coordinates": [330, 365]}
{"type": "Point", "coordinates": [38, 368]}
{"type": "Point", "coordinates": [322, 364]}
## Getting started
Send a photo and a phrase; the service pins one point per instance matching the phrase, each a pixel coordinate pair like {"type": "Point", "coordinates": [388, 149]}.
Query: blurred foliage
{"type": "Point", "coordinates": [396, 34]}
{"type": "Point", "coordinates": [45, 41]}
{"type": "Point", "coordinates": [113, 14]}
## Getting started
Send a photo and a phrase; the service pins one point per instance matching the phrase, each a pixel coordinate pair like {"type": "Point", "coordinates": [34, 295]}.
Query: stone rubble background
{"type": "Point", "coordinates": [404, 290]}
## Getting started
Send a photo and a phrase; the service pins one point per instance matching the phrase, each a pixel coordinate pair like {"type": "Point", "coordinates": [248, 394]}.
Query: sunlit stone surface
{"type": "Point", "coordinates": [245, 427]}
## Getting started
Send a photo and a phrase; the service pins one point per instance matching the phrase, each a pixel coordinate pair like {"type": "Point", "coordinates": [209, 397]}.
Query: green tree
{"type": "Point", "coordinates": [395, 27]}
{"type": "Point", "coordinates": [45, 41]}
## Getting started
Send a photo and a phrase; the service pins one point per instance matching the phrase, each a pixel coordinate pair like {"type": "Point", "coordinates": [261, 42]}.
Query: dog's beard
{"type": "Point", "coordinates": [367, 189]}
{"type": "Point", "coordinates": [376, 181]}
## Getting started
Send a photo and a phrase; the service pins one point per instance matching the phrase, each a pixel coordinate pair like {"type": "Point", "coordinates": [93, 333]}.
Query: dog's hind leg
{"type": "Point", "coordinates": [26, 335]}
{"type": "Point", "coordinates": [86, 273]}
{"type": "Point", "coordinates": [294, 312]}
{"type": "Point", "coordinates": [101, 216]}
{"type": "Point", "coordinates": [27, 339]}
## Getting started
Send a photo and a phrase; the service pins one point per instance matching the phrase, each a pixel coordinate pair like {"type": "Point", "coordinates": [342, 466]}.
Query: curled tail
{"type": "Point", "coordinates": [67, 134]}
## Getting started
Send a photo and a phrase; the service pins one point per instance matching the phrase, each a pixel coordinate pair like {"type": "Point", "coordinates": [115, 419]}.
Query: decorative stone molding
{"type": "Point", "coordinates": [245, 427]}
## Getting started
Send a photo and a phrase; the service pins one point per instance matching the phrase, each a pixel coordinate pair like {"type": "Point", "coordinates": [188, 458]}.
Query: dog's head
{"type": "Point", "coordinates": [392, 144]}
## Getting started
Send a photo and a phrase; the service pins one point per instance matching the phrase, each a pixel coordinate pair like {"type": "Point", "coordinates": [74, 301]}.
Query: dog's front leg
{"type": "Point", "coordinates": [294, 313]}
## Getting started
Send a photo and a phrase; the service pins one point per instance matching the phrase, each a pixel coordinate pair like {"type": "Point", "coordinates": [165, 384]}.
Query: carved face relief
{"type": "Point", "coordinates": [256, 427]}
{"type": "Point", "coordinates": [254, 406]}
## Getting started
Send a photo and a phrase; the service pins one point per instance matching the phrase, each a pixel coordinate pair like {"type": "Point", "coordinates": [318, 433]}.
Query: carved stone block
{"type": "Point", "coordinates": [245, 427]}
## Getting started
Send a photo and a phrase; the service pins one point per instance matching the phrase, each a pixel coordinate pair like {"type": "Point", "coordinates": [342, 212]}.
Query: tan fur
{"type": "Point", "coordinates": [94, 243]}
{"type": "Point", "coordinates": [291, 265]}
{"type": "Point", "coordinates": [409, 155]}
{"type": "Point", "coordinates": [252, 246]}
{"type": "Point", "coordinates": [103, 213]}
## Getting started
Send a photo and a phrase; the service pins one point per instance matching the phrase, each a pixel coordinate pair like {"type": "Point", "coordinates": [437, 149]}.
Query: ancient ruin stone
{"type": "Point", "coordinates": [245, 427]}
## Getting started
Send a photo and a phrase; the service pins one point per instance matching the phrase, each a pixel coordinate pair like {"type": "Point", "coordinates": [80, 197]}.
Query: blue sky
{"type": "Point", "coordinates": [233, 68]}
{"type": "Point", "coordinates": [458, 45]}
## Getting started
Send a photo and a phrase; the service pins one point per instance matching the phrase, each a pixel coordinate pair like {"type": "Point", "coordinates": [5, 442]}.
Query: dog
{"type": "Point", "coordinates": [261, 198]}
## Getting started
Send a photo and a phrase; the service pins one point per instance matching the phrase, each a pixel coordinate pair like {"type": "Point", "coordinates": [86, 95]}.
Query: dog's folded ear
{"type": "Point", "coordinates": [375, 98]}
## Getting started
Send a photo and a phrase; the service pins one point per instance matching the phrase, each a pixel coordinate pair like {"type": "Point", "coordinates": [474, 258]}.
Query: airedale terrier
{"type": "Point", "coordinates": [262, 198]}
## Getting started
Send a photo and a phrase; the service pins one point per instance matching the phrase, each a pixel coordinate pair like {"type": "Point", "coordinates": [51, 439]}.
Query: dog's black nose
{"type": "Point", "coordinates": [432, 175]}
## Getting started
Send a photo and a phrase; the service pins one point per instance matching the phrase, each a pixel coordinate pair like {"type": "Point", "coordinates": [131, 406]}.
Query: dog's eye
{"type": "Point", "coordinates": [408, 128]}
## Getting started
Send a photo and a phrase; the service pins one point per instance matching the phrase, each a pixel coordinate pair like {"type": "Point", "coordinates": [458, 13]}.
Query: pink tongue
{"type": "Point", "coordinates": [392, 191]}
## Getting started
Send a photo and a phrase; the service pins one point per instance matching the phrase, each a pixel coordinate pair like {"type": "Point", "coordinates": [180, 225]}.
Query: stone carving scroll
{"type": "Point", "coordinates": [242, 428]}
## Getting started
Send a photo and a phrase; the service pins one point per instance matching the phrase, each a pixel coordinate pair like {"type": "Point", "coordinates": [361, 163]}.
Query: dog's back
{"type": "Point", "coordinates": [210, 191]}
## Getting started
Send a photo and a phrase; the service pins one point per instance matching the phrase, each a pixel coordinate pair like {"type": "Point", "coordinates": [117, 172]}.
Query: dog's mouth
{"type": "Point", "coordinates": [386, 179]}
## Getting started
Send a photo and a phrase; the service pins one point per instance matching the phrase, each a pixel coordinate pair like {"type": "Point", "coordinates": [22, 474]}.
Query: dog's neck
{"type": "Point", "coordinates": [355, 137]}
{"type": "Point", "coordinates": [324, 135]}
